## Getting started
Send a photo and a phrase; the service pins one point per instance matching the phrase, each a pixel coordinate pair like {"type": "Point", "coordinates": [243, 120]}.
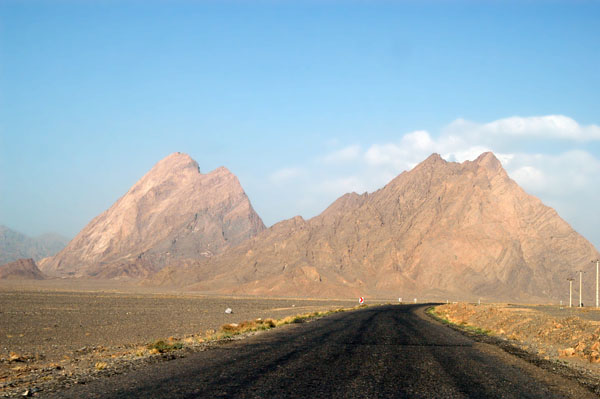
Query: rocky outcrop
{"type": "Point", "coordinates": [173, 212]}
{"type": "Point", "coordinates": [442, 230]}
{"type": "Point", "coordinates": [21, 269]}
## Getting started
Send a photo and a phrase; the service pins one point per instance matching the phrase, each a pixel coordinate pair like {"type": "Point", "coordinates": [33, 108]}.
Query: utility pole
{"type": "Point", "coordinates": [580, 287]}
{"type": "Point", "coordinates": [570, 292]}
{"type": "Point", "coordinates": [597, 279]}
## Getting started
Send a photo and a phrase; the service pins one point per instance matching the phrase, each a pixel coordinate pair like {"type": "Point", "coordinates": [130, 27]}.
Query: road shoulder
{"type": "Point", "coordinates": [553, 372]}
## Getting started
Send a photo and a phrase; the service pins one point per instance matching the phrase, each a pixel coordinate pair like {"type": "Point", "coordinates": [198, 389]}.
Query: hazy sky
{"type": "Point", "coordinates": [303, 101]}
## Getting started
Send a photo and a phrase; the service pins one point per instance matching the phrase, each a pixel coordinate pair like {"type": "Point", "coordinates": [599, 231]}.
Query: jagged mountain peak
{"type": "Point", "coordinates": [222, 171]}
{"type": "Point", "coordinates": [490, 164]}
{"type": "Point", "coordinates": [173, 211]}
{"type": "Point", "coordinates": [488, 158]}
{"type": "Point", "coordinates": [178, 161]}
{"type": "Point", "coordinates": [434, 158]}
{"type": "Point", "coordinates": [174, 163]}
{"type": "Point", "coordinates": [434, 161]}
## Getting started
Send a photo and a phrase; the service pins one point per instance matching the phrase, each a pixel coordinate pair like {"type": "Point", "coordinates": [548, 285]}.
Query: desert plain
{"type": "Point", "coordinates": [54, 335]}
{"type": "Point", "coordinates": [52, 331]}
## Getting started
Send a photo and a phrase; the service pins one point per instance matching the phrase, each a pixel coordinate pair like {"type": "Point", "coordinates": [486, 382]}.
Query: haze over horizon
{"type": "Point", "coordinates": [303, 101]}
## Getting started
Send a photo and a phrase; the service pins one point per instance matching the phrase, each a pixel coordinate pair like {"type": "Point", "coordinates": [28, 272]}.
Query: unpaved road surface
{"type": "Point", "coordinates": [385, 352]}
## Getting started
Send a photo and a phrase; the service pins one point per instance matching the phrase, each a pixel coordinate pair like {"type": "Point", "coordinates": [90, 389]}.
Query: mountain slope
{"type": "Point", "coordinates": [22, 269]}
{"type": "Point", "coordinates": [14, 245]}
{"type": "Point", "coordinates": [443, 229]}
{"type": "Point", "coordinates": [172, 212]}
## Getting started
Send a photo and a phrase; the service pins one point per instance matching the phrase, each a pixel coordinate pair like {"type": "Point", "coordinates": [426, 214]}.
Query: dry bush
{"type": "Point", "coordinates": [101, 365]}
{"type": "Point", "coordinates": [233, 328]}
{"type": "Point", "coordinates": [15, 357]}
{"type": "Point", "coordinates": [247, 326]}
{"type": "Point", "coordinates": [162, 346]}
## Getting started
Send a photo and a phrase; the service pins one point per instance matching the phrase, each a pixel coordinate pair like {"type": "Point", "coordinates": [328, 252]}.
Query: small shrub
{"type": "Point", "coordinates": [265, 324]}
{"type": "Point", "coordinates": [224, 335]}
{"type": "Point", "coordinates": [162, 347]}
{"type": "Point", "coordinates": [101, 365]}
{"type": "Point", "coordinates": [232, 328]}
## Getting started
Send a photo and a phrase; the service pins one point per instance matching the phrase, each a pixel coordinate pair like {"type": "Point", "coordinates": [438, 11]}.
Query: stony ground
{"type": "Point", "coordinates": [59, 337]}
{"type": "Point", "coordinates": [569, 335]}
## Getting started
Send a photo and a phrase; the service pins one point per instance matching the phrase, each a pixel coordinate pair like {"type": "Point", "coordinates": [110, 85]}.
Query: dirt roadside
{"type": "Point", "coordinates": [567, 345]}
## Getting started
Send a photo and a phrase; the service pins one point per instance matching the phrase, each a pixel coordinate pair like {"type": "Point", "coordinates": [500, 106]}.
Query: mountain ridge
{"type": "Point", "coordinates": [15, 245]}
{"type": "Point", "coordinates": [446, 227]}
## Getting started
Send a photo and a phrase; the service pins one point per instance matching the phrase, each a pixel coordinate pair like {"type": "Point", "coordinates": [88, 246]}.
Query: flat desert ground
{"type": "Point", "coordinates": [52, 322]}
{"type": "Point", "coordinates": [55, 332]}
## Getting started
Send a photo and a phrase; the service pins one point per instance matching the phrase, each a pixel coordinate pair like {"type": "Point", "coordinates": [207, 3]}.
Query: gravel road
{"type": "Point", "coordinates": [386, 352]}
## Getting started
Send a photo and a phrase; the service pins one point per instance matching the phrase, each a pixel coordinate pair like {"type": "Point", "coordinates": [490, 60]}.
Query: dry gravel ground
{"type": "Point", "coordinates": [551, 332]}
{"type": "Point", "coordinates": [49, 337]}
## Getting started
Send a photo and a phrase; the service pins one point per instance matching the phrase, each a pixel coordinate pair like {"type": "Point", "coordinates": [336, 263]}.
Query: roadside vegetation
{"type": "Point", "coordinates": [463, 325]}
{"type": "Point", "coordinates": [226, 332]}
{"type": "Point", "coordinates": [231, 330]}
{"type": "Point", "coordinates": [162, 346]}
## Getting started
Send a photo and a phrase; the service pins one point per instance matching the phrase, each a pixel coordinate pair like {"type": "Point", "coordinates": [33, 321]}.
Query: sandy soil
{"type": "Point", "coordinates": [48, 333]}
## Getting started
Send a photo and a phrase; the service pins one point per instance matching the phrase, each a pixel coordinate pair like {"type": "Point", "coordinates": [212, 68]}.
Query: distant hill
{"type": "Point", "coordinates": [173, 212]}
{"type": "Point", "coordinates": [443, 229]}
{"type": "Point", "coordinates": [22, 269]}
{"type": "Point", "coordinates": [15, 245]}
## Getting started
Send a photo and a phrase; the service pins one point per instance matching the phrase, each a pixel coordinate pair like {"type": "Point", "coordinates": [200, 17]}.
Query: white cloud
{"type": "Point", "coordinates": [419, 140]}
{"type": "Point", "coordinates": [568, 174]}
{"type": "Point", "coordinates": [558, 127]}
{"type": "Point", "coordinates": [467, 154]}
{"type": "Point", "coordinates": [567, 179]}
{"type": "Point", "coordinates": [385, 154]}
{"type": "Point", "coordinates": [411, 149]}
{"type": "Point", "coordinates": [568, 182]}
{"type": "Point", "coordinates": [530, 177]}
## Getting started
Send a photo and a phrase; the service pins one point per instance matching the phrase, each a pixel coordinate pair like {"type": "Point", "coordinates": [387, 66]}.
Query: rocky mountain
{"type": "Point", "coordinates": [14, 245]}
{"type": "Point", "coordinates": [22, 269]}
{"type": "Point", "coordinates": [173, 212]}
{"type": "Point", "coordinates": [442, 230]}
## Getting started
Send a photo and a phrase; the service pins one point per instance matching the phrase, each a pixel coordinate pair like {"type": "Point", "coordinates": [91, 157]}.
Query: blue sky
{"type": "Point", "coordinates": [303, 101]}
